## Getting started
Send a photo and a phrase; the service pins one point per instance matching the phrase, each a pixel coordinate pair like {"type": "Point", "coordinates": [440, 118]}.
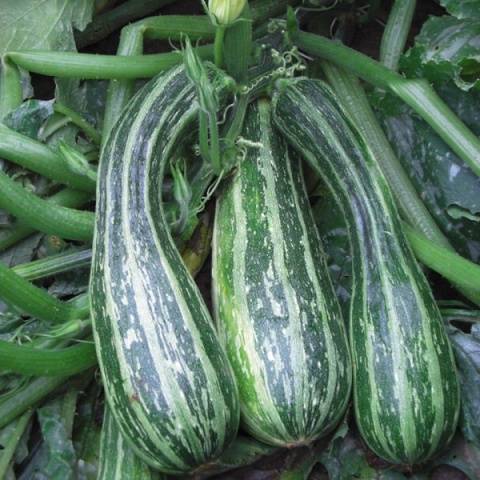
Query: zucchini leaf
{"type": "Point", "coordinates": [29, 117]}
{"type": "Point", "coordinates": [55, 459]}
{"type": "Point", "coordinates": [462, 8]}
{"type": "Point", "coordinates": [446, 48]}
{"type": "Point", "coordinates": [42, 25]}
{"type": "Point", "coordinates": [449, 189]}
{"type": "Point", "coordinates": [467, 353]}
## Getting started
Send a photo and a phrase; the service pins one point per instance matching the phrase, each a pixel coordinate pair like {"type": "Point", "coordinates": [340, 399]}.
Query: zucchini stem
{"type": "Point", "coordinates": [396, 33]}
{"type": "Point", "coordinates": [42, 215]}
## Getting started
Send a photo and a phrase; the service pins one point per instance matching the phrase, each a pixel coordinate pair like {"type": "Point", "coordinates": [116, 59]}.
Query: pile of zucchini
{"type": "Point", "coordinates": [242, 121]}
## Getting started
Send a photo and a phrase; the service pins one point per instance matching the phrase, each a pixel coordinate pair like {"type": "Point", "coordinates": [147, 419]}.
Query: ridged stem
{"type": "Point", "coordinates": [42, 215]}
{"type": "Point", "coordinates": [38, 157]}
{"type": "Point", "coordinates": [79, 121]}
{"type": "Point", "coordinates": [11, 95]}
{"type": "Point", "coordinates": [29, 395]}
{"type": "Point", "coordinates": [97, 67]}
{"type": "Point", "coordinates": [418, 94]}
{"type": "Point", "coordinates": [66, 198]}
{"type": "Point", "coordinates": [106, 23]}
{"type": "Point", "coordinates": [396, 33]}
{"type": "Point", "coordinates": [54, 264]}
{"type": "Point", "coordinates": [15, 432]}
{"type": "Point", "coordinates": [33, 300]}
{"type": "Point", "coordinates": [26, 360]}
{"type": "Point", "coordinates": [444, 261]}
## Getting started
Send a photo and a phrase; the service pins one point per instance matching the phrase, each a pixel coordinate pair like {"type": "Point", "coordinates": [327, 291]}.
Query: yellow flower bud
{"type": "Point", "coordinates": [226, 11]}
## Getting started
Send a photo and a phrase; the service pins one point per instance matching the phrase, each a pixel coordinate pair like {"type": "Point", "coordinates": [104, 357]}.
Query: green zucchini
{"type": "Point", "coordinates": [275, 306]}
{"type": "Point", "coordinates": [406, 392]}
{"type": "Point", "coordinates": [166, 377]}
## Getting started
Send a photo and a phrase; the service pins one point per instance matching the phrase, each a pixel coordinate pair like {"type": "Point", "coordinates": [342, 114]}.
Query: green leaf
{"type": "Point", "coordinates": [55, 459]}
{"type": "Point", "coordinates": [42, 24]}
{"type": "Point", "coordinates": [467, 353]}
{"type": "Point", "coordinates": [29, 117]}
{"type": "Point", "coordinates": [463, 456]}
{"type": "Point", "coordinates": [449, 189]}
{"type": "Point", "coordinates": [446, 48]}
{"type": "Point", "coordinates": [462, 8]}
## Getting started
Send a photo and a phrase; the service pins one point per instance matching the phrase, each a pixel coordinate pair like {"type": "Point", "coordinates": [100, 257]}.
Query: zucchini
{"type": "Point", "coordinates": [406, 391]}
{"type": "Point", "coordinates": [275, 306]}
{"type": "Point", "coordinates": [166, 377]}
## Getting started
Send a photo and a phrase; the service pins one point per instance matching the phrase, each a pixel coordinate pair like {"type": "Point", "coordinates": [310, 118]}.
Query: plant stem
{"type": "Point", "coordinates": [97, 67]}
{"type": "Point", "coordinates": [42, 215]}
{"type": "Point", "coordinates": [66, 198]}
{"type": "Point", "coordinates": [33, 300]}
{"type": "Point", "coordinates": [26, 360]}
{"type": "Point", "coordinates": [106, 23]}
{"type": "Point", "coordinates": [418, 94]}
{"type": "Point", "coordinates": [54, 264]}
{"type": "Point", "coordinates": [15, 432]}
{"type": "Point", "coordinates": [37, 157]}
{"type": "Point", "coordinates": [11, 95]}
{"type": "Point", "coordinates": [237, 47]}
{"type": "Point", "coordinates": [396, 33]}
{"type": "Point", "coordinates": [218, 45]}
{"type": "Point", "coordinates": [79, 121]}
{"type": "Point", "coordinates": [450, 265]}
{"type": "Point", "coordinates": [27, 396]}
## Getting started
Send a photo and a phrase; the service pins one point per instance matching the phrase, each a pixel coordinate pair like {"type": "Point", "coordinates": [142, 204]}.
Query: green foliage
{"type": "Point", "coordinates": [449, 189]}
{"type": "Point", "coordinates": [446, 48]}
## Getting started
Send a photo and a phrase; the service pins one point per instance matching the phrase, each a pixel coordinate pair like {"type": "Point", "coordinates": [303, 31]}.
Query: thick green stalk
{"type": "Point", "coordinates": [237, 47]}
{"type": "Point", "coordinates": [218, 45]}
{"type": "Point", "coordinates": [54, 264]}
{"type": "Point", "coordinates": [120, 91]}
{"type": "Point", "coordinates": [262, 10]}
{"type": "Point", "coordinates": [27, 396]}
{"type": "Point", "coordinates": [26, 360]}
{"type": "Point", "coordinates": [11, 95]}
{"type": "Point", "coordinates": [97, 67]}
{"type": "Point", "coordinates": [173, 27]}
{"type": "Point", "coordinates": [447, 263]}
{"type": "Point", "coordinates": [418, 94]}
{"type": "Point", "coordinates": [38, 157]}
{"type": "Point", "coordinates": [42, 215]}
{"type": "Point", "coordinates": [396, 33]}
{"type": "Point", "coordinates": [106, 23]}
{"type": "Point", "coordinates": [13, 434]}
{"type": "Point", "coordinates": [66, 198]}
{"type": "Point", "coordinates": [79, 121]}
{"type": "Point", "coordinates": [33, 300]}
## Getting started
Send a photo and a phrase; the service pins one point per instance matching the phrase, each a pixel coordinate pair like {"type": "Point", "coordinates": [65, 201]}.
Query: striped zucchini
{"type": "Point", "coordinates": [166, 377]}
{"type": "Point", "coordinates": [117, 460]}
{"type": "Point", "coordinates": [275, 306]}
{"type": "Point", "coordinates": [406, 392]}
